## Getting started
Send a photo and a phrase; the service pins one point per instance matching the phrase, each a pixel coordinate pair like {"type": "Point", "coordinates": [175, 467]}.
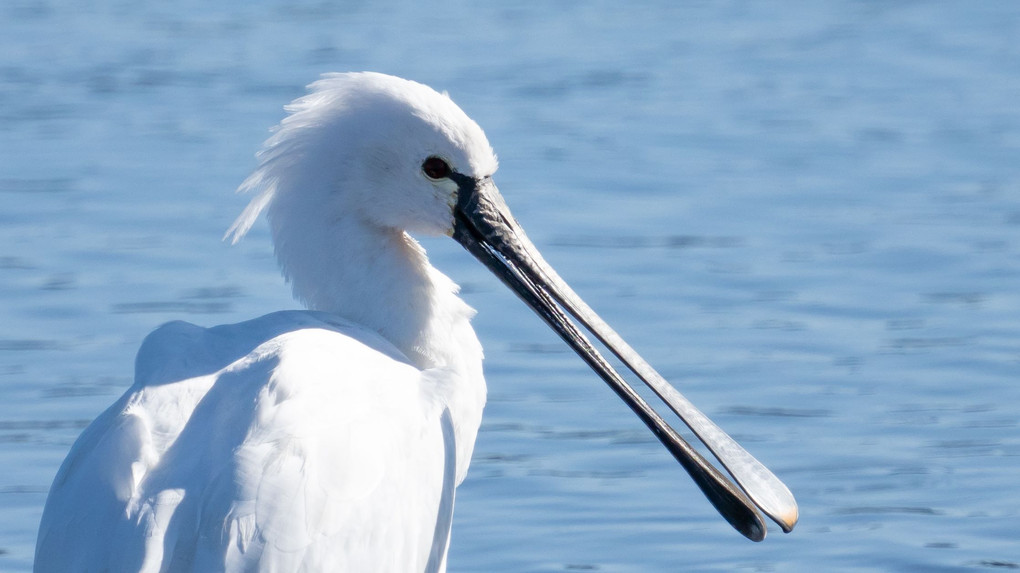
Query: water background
{"type": "Point", "coordinates": [805, 214]}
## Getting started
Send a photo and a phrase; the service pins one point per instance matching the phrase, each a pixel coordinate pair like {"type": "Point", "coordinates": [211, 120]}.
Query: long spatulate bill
{"type": "Point", "coordinates": [485, 227]}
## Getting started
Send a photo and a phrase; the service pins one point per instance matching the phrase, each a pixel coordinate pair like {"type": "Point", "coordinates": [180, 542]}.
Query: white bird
{"type": "Point", "coordinates": [333, 439]}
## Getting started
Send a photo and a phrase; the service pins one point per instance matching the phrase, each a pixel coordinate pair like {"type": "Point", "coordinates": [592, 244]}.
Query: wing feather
{"type": "Point", "coordinates": [294, 442]}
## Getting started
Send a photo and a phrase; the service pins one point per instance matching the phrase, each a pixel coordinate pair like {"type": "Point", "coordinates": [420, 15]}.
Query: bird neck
{"type": "Point", "coordinates": [380, 278]}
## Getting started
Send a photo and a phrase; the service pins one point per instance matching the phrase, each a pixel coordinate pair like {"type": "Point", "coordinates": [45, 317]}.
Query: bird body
{"type": "Point", "coordinates": [333, 439]}
{"type": "Point", "coordinates": [297, 441]}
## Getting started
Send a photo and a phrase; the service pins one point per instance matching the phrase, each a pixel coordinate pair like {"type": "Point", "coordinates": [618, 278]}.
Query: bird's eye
{"type": "Point", "coordinates": [435, 168]}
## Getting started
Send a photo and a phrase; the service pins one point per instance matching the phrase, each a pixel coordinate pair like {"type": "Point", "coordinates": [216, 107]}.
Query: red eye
{"type": "Point", "coordinates": [435, 168]}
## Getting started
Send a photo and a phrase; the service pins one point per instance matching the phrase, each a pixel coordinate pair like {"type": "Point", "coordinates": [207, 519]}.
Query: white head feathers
{"type": "Point", "coordinates": [356, 141]}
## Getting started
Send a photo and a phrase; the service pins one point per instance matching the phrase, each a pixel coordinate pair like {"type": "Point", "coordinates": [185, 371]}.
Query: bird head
{"type": "Point", "coordinates": [385, 149]}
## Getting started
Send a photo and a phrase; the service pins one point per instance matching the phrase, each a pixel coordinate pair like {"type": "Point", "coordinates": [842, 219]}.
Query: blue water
{"type": "Point", "coordinates": [805, 214]}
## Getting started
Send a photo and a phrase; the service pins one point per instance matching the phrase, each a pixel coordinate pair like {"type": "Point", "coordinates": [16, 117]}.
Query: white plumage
{"type": "Point", "coordinates": [330, 439]}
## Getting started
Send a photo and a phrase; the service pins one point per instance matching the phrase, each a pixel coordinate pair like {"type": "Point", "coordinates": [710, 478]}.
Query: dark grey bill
{"type": "Point", "coordinates": [484, 226]}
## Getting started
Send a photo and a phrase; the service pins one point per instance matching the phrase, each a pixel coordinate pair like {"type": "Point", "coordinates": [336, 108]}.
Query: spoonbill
{"type": "Point", "coordinates": [333, 439]}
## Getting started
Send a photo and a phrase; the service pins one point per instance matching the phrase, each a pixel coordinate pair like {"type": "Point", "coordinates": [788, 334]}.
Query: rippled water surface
{"type": "Point", "coordinates": [804, 214]}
